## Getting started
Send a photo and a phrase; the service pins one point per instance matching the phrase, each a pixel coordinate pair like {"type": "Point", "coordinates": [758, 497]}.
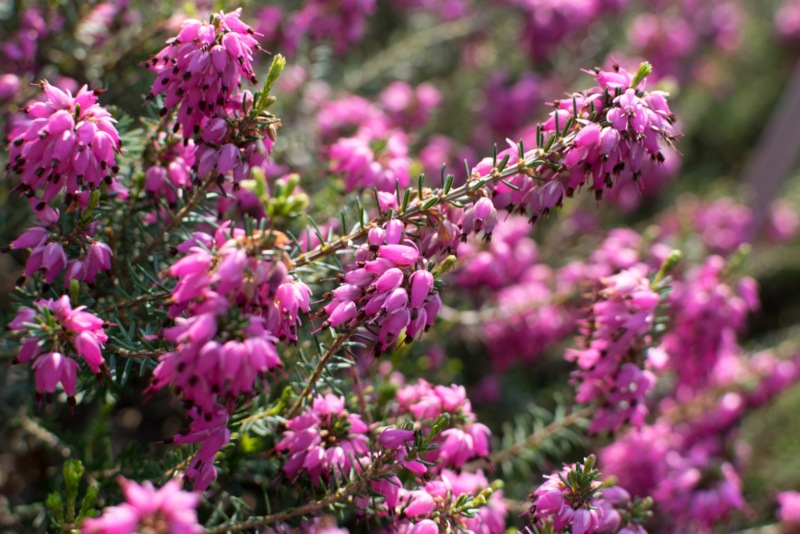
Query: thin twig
{"type": "Point", "coordinates": [378, 469]}
{"type": "Point", "coordinates": [154, 297]}
{"type": "Point", "coordinates": [44, 436]}
{"type": "Point", "coordinates": [137, 354]}
{"type": "Point", "coordinates": [323, 361]}
{"type": "Point", "coordinates": [326, 249]}
{"type": "Point", "coordinates": [362, 401]}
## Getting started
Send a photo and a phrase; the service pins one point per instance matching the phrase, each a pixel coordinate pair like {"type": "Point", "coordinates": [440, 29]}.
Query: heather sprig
{"type": "Point", "coordinates": [612, 365]}
{"type": "Point", "coordinates": [200, 71]}
{"type": "Point", "coordinates": [576, 500]}
{"type": "Point", "coordinates": [54, 333]}
{"type": "Point", "coordinates": [66, 144]}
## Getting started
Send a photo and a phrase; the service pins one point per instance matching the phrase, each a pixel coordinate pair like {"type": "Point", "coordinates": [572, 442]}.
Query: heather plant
{"type": "Point", "coordinates": [333, 266]}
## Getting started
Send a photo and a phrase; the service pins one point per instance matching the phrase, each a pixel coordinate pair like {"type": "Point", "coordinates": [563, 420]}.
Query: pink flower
{"type": "Point", "coordinates": [789, 511]}
{"type": "Point", "coordinates": [426, 526]}
{"type": "Point", "coordinates": [393, 438]}
{"type": "Point", "coordinates": [577, 500]}
{"type": "Point", "coordinates": [54, 332]}
{"type": "Point", "coordinates": [52, 368]}
{"type": "Point", "coordinates": [372, 160]}
{"type": "Point", "coordinates": [436, 497]}
{"type": "Point", "coordinates": [171, 509]}
{"type": "Point", "coordinates": [172, 174]}
{"type": "Point", "coordinates": [618, 322]}
{"type": "Point", "coordinates": [68, 143]}
{"type": "Point", "coordinates": [409, 107]}
{"type": "Point", "coordinates": [323, 440]}
{"type": "Point", "coordinates": [708, 314]}
{"type": "Point", "coordinates": [200, 70]}
{"type": "Point", "coordinates": [465, 440]}
{"type": "Point", "coordinates": [389, 286]}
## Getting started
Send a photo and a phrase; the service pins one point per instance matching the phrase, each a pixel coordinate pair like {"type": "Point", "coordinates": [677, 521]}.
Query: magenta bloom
{"type": "Point", "coordinates": [165, 510]}
{"type": "Point", "coordinates": [618, 324]}
{"type": "Point", "coordinates": [323, 440]}
{"type": "Point", "coordinates": [69, 143]}
{"type": "Point", "coordinates": [422, 403]}
{"type": "Point", "coordinates": [708, 314]}
{"type": "Point", "coordinates": [54, 333]}
{"type": "Point", "coordinates": [369, 160]}
{"type": "Point", "coordinates": [49, 258]}
{"type": "Point", "coordinates": [337, 118]}
{"type": "Point", "coordinates": [549, 23]}
{"type": "Point", "coordinates": [688, 467]}
{"type": "Point", "coordinates": [583, 509]}
{"type": "Point", "coordinates": [418, 506]}
{"type": "Point", "coordinates": [407, 107]}
{"type": "Point", "coordinates": [627, 145]}
{"type": "Point", "coordinates": [507, 107]}
{"type": "Point", "coordinates": [201, 69]}
{"type": "Point", "coordinates": [389, 286]}
{"type": "Point", "coordinates": [789, 511]}
{"type": "Point", "coordinates": [232, 305]}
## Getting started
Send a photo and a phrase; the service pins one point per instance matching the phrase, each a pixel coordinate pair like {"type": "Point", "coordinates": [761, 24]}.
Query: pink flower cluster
{"type": "Point", "coordinates": [235, 149]}
{"type": "Point", "coordinates": [724, 224]}
{"type": "Point", "coordinates": [376, 153]}
{"type": "Point", "coordinates": [388, 288]}
{"type": "Point", "coordinates": [49, 257]}
{"type": "Point", "coordinates": [325, 440]}
{"type": "Point", "coordinates": [520, 318]}
{"type": "Point", "coordinates": [421, 403]}
{"type": "Point", "coordinates": [610, 365]}
{"type": "Point", "coordinates": [636, 125]}
{"type": "Point", "coordinates": [409, 107]}
{"type": "Point", "coordinates": [689, 463]}
{"type": "Point", "coordinates": [576, 501]}
{"type": "Point", "coordinates": [686, 472]}
{"type": "Point", "coordinates": [709, 309]}
{"type": "Point", "coordinates": [639, 125]}
{"type": "Point", "coordinates": [166, 510]}
{"type": "Point", "coordinates": [442, 150]}
{"type": "Point", "coordinates": [54, 333]}
{"type": "Point", "coordinates": [368, 160]}
{"type": "Point", "coordinates": [341, 20]}
{"type": "Point", "coordinates": [344, 116]}
{"type": "Point", "coordinates": [231, 307]}
{"type": "Point", "coordinates": [66, 143]}
{"type": "Point", "coordinates": [507, 106]}
{"type": "Point", "coordinates": [368, 143]}
{"type": "Point", "coordinates": [20, 46]}
{"type": "Point", "coordinates": [436, 499]}
{"type": "Point", "coordinates": [789, 511]}
{"type": "Point", "coordinates": [200, 71]}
